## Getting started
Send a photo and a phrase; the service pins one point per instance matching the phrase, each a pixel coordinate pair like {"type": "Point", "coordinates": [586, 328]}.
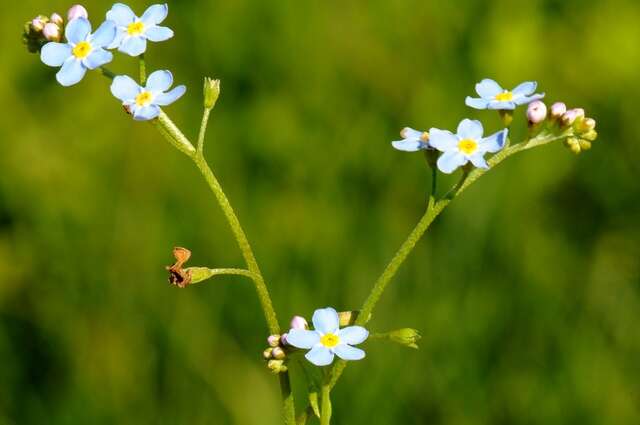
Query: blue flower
{"type": "Point", "coordinates": [133, 32]}
{"type": "Point", "coordinates": [327, 339]}
{"type": "Point", "coordinates": [492, 96]}
{"type": "Point", "coordinates": [82, 50]}
{"type": "Point", "coordinates": [467, 145]}
{"type": "Point", "coordinates": [412, 140]}
{"type": "Point", "coordinates": [144, 102]}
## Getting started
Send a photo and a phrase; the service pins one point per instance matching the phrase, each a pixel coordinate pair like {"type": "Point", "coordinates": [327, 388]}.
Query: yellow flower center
{"type": "Point", "coordinates": [143, 98]}
{"type": "Point", "coordinates": [467, 146]}
{"type": "Point", "coordinates": [504, 97]}
{"type": "Point", "coordinates": [81, 50]}
{"type": "Point", "coordinates": [135, 28]}
{"type": "Point", "coordinates": [329, 340]}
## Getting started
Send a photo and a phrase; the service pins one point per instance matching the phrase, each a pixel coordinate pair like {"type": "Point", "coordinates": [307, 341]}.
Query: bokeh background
{"type": "Point", "coordinates": [526, 290]}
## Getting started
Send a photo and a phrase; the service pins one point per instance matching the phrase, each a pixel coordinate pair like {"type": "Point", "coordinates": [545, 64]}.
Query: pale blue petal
{"type": "Point", "coordinates": [77, 30]}
{"type": "Point", "coordinates": [159, 81]}
{"type": "Point", "coordinates": [146, 113]}
{"type": "Point", "coordinates": [443, 140]}
{"type": "Point", "coordinates": [501, 105]}
{"type": "Point", "coordinates": [470, 129]}
{"type": "Point", "coordinates": [320, 356]}
{"type": "Point", "coordinates": [71, 72]}
{"type": "Point", "coordinates": [347, 352]}
{"type": "Point", "coordinates": [353, 335]}
{"type": "Point", "coordinates": [488, 88]}
{"type": "Point", "coordinates": [121, 14]}
{"type": "Point", "coordinates": [326, 320]}
{"type": "Point", "coordinates": [117, 40]}
{"type": "Point", "coordinates": [156, 33]}
{"type": "Point", "coordinates": [170, 97]}
{"type": "Point", "coordinates": [302, 338]}
{"type": "Point", "coordinates": [54, 54]}
{"type": "Point", "coordinates": [449, 161]}
{"type": "Point", "coordinates": [155, 14]}
{"type": "Point", "coordinates": [493, 143]}
{"type": "Point", "coordinates": [133, 46]}
{"type": "Point", "coordinates": [410, 133]}
{"type": "Point", "coordinates": [409, 145]}
{"type": "Point", "coordinates": [104, 35]}
{"type": "Point", "coordinates": [527, 99]}
{"type": "Point", "coordinates": [478, 161]}
{"type": "Point", "coordinates": [124, 88]}
{"type": "Point", "coordinates": [524, 89]}
{"type": "Point", "coordinates": [476, 103]}
{"type": "Point", "coordinates": [97, 57]}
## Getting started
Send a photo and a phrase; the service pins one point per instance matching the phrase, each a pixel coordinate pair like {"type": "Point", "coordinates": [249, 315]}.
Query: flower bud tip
{"type": "Point", "coordinates": [558, 109]}
{"type": "Point", "coordinates": [273, 340]}
{"type": "Point", "coordinates": [211, 92]}
{"type": "Point", "coordinates": [299, 322]}
{"type": "Point", "coordinates": [56, 19]}
{"type": "Point", "coordinates": [278, 353]}
{"type": "Point", "coordinates": [51, 32]}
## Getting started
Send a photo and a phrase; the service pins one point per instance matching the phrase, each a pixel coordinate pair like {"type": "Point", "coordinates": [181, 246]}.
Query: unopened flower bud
{"type": "Point", "coordinates": [56, 19]}
{"type": "Point", "coordinates": [587, 124]}
{"type": "Point", "coordinates": [278, 353]}
{"type": "Point", "coordinates": [77, 11]}
{"type": "Point", "coordinates": [273, 340]}
{"type": "Point", "coordinates": [590, 135]}
{"type": "Point", "coordinates": [406, 336]}
{"type": "Point", "coordinates": [558, 109]}
{"type": "Point", "coordinates": [585, 145]}
{"type": "Point", "coordinates": [38, 23]}
{"type": "Point", "coordinates": [211, 92]}
{"type": "Point", "coordinates": [299, 322]}
{"type": "Point", "coordinates": [267, 353]}
{"type": "Point", "coordinates": [51, 32]}
{"type": "Point", "coordinates": [579, 112]}
{"type": "Point", "coordinates": [276, 366]}
{"type": "Point", "coordinates": [569, 117]}
{"type": "Point", "coordinates": [573, 144]}
{"type": "Point", "coordinates": [536, 112]}
{"type": "Point", "coordinates": [283, 339]}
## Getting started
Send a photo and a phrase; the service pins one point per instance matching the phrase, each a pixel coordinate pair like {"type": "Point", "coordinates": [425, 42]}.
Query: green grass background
{"type": "Point", "coordinates": [526, 290]}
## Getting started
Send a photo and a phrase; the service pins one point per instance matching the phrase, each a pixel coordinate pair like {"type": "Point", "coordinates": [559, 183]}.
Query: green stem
{"type": "Point", "coordinates": [107, 73]}
{"type": "Point", "coordinates": [180, 141]}
{"type": "Point", "coordinates": [325, 412]}
{"type": "Point", "coordinates": [433, 210]}
{"type": "Point", "coordinates": [143, 70]}
{"type": "Point", "coordinates": [203, 129]}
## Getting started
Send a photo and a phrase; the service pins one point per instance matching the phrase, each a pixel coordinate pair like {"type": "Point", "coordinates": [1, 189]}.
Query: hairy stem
{"type": "Point", "coordinates": [325, 412]}
{"type": "Point", "coordinates": [143, 70]}
{"type": "Point", "coordinates": [203, 129]}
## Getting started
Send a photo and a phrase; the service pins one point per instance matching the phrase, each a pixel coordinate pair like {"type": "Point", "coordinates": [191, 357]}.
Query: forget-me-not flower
{"type": "Point", "coordinates": [412, 140]}
{"type": "Point", "coordinates": [467, 145]}
{"type": "Point", "coordinates": [82, 50]}
{"type": "Point", "coordinates": [133, 32]}
{"type": "Point", "coordinates": [144, 102]}
{"type": "Point", "coordinates": [493, 96]}
{"type": "Point", "coordinates": [327, 339]}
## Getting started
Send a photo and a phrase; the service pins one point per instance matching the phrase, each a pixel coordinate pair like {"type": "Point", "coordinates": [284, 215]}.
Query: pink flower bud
{"type": "Point", "coordinates": [579, 112]}
{"type": "Point", "coordinates": [569, 117]}
{"type": "Point", "coordinates": [283, 339]}
{"type": "Point", "coordinates": [38, 24]}
{"type": "Point", "coordinates": [278, 353]}
{"type": "Point", "coordinates": [51, 32]}
{"type": "Point", "coordinates": [536, 112]}
{"type": "Point", "coordinates": [299, 322]}
{"type": "Point", "coordinates": [56, 19]}
{"type": "Point", "coordinates": [77, 11]}
{"type": "Point", "coordinates": [273, 340]}
{"type": "Point", "coordinates": [558, 109]}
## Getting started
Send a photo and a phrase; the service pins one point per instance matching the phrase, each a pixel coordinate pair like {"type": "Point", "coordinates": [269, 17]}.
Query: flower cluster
{"type": "Point", "coordinates": [468, 146]}
{"type": "Point", "coordinates": [332, 335]}
{"type": "Point", "coordinates": [75, 49]}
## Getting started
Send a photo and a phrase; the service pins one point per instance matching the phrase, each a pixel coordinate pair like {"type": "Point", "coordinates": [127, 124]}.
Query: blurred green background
{"type": "Point", "coordinates": [527, 289]}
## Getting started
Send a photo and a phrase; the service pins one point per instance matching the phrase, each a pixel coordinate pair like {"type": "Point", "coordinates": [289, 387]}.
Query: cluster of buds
{"type": "Point", "coordinates": [276, 353]}
{"type": "Point", "coordinates": [583, 128]}
{"type": "Point", "coordinates": [42, 28]}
